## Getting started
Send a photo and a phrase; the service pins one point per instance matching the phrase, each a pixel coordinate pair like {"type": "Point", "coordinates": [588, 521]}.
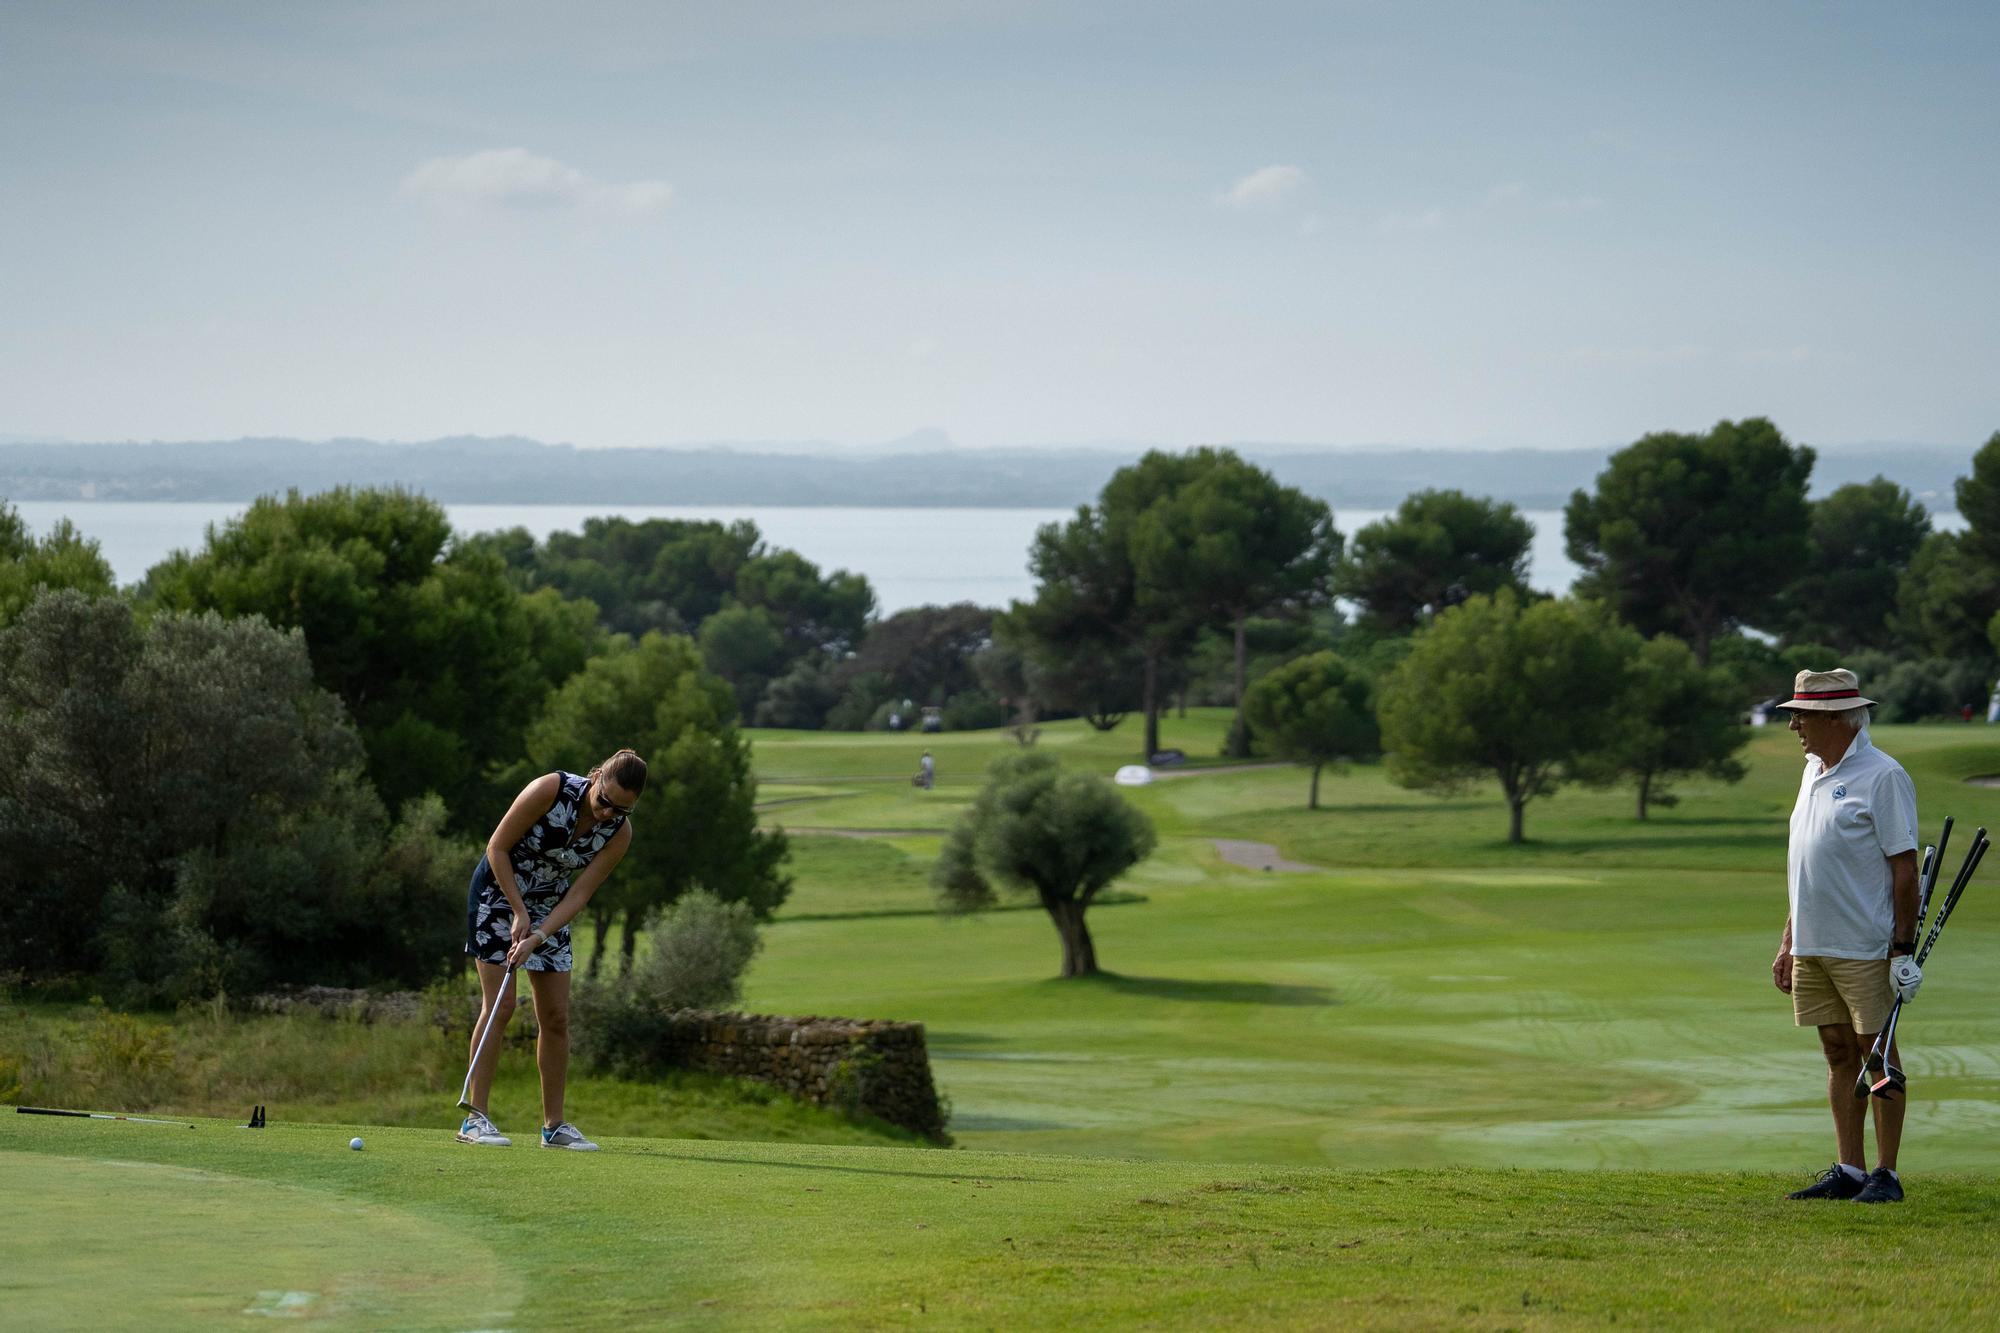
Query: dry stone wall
{"type": "Point", "coordinates": [878, 1068]}
{"type": "Point", "coordinates": [858, 1065]}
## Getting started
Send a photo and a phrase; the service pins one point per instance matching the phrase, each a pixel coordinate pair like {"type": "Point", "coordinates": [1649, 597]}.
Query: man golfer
{"type": "Point", "coordinates": [1847, 951]}
{"type": "Point", "coordinates": [518, 911]}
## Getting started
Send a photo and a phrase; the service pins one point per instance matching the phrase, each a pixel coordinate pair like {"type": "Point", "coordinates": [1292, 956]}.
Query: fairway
{"type": "Point", "coordinates": [1431, 995]}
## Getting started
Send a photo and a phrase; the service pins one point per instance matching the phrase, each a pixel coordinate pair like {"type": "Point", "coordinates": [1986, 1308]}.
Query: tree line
{"type": "Point", "coordinates": [381, 684]}
{"type": "Point", "coordinates": [1709, 577]}
{"type": "Point", "coordinates": [276, 758]}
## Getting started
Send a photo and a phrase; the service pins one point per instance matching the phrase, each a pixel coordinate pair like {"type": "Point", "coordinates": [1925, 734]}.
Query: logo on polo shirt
{"type": "Point", "coordinates": [1840, 791]}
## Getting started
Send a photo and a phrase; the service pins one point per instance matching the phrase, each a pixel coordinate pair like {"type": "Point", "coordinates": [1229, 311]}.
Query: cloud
{"type": "Point", "coordinates": [514, 178]}
{"type": "Point", "coordinates": [1264, 188]}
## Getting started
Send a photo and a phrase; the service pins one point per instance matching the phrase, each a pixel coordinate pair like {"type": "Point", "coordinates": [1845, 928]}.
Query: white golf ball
{"type": "Point", "coordinates": [354, 1144]}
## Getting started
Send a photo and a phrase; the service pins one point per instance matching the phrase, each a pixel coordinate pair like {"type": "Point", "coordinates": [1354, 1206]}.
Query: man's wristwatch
{"type": "Point", "coordinates": [1902, 946]}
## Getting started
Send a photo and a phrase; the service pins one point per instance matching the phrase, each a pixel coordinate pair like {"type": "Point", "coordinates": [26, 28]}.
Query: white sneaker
{"type": "Point", "coordinates": [478, 1129]}
{"type": "Point", "coordinates": [567, 1136]}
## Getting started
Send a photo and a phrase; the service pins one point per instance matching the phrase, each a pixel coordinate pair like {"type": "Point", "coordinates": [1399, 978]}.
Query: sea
{"type": "Point", "coordinates": [912, 557]}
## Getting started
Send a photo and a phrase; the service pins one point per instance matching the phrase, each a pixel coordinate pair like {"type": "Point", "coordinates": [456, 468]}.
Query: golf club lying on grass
{"type": "Point", "coordinates": [99, 1115]}
{"type": "Point", "coordinates": [1878, 1077]}
{"type": "Point", "coordinates": [465, 1093]}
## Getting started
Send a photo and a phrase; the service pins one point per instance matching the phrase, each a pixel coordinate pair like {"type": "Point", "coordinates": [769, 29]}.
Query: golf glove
{"type": "Point", "coordinates": [1905, 976]}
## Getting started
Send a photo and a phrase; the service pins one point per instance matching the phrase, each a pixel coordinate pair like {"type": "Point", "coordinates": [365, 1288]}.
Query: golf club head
{"type": "Point", "coordinates": [1891, 1084]}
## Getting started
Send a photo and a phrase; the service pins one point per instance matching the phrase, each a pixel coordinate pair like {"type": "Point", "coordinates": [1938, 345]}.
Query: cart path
{"type": "Point", "coordinates": [1256, 855]}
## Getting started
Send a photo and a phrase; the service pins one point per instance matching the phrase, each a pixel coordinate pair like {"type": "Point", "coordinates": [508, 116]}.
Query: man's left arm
{"type": "Point", "coordinates": [1903, 898]}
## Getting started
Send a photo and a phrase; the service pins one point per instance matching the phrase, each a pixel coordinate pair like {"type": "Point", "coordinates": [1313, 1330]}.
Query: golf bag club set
{"type": "Point", "coordinates": [1878, 1077]}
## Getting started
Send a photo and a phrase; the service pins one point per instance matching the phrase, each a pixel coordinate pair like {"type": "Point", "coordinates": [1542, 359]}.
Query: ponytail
{"type": "Point", "coordinates": [626, 769]}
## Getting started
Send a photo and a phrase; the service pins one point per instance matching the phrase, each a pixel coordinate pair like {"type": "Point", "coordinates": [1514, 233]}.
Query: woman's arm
{"type": "Point", "coordinates": [536, 799]}
{"type": "Point", "coordinates": [578, 896]}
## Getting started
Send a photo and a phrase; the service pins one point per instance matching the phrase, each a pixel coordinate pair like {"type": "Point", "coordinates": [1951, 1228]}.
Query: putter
{"type": "Point", "coordinates": [1892, 1081]}
{"type": "Point", "coordinates": [465, 1093]}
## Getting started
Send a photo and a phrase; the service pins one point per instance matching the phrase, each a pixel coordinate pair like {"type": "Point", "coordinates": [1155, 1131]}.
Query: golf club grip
{"type": "Point", "coordinates": [1926, 881]}
{"type": "Point", "coordinates": [43, 1110]}
{"type": "Point", "coordinates": [1937, 861]}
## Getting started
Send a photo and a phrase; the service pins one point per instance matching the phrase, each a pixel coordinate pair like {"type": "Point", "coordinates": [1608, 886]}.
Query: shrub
{"type": "Point", "coordinates": [249, 848]}
{"type": "Point", "coordinates": [701, 948]}
{"type": "Point", "coordinates": [1927, 690]}
{"type": "Point", "coordinates": [974, 710]}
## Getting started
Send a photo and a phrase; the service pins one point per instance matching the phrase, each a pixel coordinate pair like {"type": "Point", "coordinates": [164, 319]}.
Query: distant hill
{"type": "Point", "coordinates": [511, 470]}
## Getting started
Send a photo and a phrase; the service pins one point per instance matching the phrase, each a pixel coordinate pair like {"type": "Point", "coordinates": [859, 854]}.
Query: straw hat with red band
{"type": "Point", "coordinates": [1833, 691]}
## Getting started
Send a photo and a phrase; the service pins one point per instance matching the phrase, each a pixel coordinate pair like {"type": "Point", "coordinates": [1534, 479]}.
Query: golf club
{"type": "Point", "coordinates": [1872, 1063]}
{"type": "Point", "coordinates": [99, 1115]}
{"type": "Point", "coordinates": [1891, 1080]}
{"type": "Point", "coordinates": [1964, 877]}
{"type": "Point", "coordinates": [1930, 878]}
{"type": "Point", "coordinates": [506, 989]}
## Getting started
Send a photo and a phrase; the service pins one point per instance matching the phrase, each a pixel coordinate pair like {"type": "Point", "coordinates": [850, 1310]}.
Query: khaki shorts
{"type": "Point", "coordinates": [1842, 990]}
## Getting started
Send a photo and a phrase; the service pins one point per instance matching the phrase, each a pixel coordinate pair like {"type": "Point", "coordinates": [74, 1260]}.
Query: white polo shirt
{"type": "Point", "coordinates": [1848, 821]}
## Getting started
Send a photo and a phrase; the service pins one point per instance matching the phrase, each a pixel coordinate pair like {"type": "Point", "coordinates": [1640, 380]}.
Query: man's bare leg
{"type": "Point", "coordinates": [1844, 1054]}
{"type": "Point", "coordinates": [1888, 1113]}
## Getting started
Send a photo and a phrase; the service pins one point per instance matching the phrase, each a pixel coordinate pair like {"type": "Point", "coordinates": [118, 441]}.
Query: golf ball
{"type": "Point", "coordinates": [354, 1144]}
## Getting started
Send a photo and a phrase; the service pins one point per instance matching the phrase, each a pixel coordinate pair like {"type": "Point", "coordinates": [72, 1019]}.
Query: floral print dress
{"type": "Point", "coordinates": [544, 863]}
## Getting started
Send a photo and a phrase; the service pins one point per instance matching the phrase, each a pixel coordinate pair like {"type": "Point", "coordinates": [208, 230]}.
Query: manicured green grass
{"type": "Point", "coordinates": [145, 1226]}
{"type": "Point", "coordinates": [1598, 996]}
{"type": "Point", "coordinates": [1430, 1012]}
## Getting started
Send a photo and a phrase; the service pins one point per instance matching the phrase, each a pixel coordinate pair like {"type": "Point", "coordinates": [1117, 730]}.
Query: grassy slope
{"type": "Point", "coordinates": [144, 1226]}
{"type": "Point", "coordinates": [1433, 997]}
{"type": "Point", "coordinates": [1596, 997]}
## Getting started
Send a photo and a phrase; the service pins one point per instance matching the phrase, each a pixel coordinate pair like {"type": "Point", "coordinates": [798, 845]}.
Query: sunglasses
{"type": "Point", "coordinates": [598, 798]}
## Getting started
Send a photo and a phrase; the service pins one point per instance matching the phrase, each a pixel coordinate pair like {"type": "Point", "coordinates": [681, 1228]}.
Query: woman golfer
{"type": "Point", "coordinates": [518, 913]}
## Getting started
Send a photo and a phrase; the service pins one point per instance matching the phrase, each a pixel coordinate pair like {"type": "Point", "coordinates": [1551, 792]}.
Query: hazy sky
{"type": "Point", "coordinates": [1340, 223]}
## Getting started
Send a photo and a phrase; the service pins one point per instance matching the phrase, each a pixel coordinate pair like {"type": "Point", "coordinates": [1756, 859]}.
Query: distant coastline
{"type": "Point", "coordinates": [511, 470]}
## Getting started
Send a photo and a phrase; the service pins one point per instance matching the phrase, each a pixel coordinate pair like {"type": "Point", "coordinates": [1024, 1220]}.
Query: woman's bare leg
{"type": "Point", "coordinates": [552, 1046]}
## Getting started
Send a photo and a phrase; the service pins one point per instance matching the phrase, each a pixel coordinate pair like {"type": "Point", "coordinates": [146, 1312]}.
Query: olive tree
{"type": "Point", "coordinates": [1038, 828]}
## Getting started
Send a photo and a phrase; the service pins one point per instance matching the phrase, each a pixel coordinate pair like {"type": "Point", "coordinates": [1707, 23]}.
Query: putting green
{"type": "Point", "coordinates": [145, 1244]}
